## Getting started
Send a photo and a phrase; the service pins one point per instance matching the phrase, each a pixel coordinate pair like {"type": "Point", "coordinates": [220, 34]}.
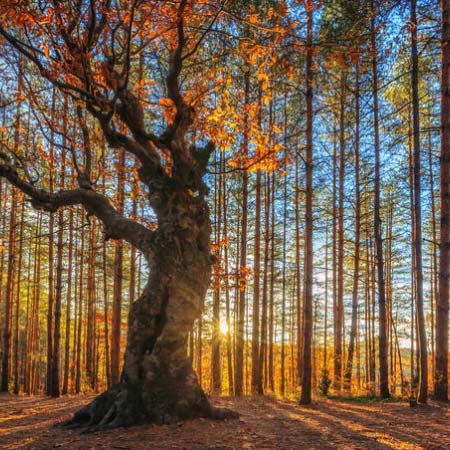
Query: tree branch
{"type": "Point", "coordinates": [116, 226]}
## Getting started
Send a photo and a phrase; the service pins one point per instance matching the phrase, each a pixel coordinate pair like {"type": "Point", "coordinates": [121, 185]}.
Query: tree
{"type": "Point", "coordinates": [308, 300]}
{"type": "Point", "coordinates": [118, 277]}
{"type": "Point", "coordinates": [441, 365]}
{"type": "Point", "coordinates": [422, 343]}
{"type": "Point", "coordinates": [157, 381]}
{"type": "Point", "coordinates": [339, 310]}
{"type": "Point", "coordinates": [382, 341]}
{"type": "Point", "coordinates": [55, 361]}
{"type": "Point", "coordinates": [239, 354]}
{"type": "Point", "coordinates": [354, 320]}
{"type": "Point", "coordinates": [11, 260]}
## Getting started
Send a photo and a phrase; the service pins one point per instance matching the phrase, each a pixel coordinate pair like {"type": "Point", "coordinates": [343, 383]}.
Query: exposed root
{"type": "Point", "coordinates": [123, 406]}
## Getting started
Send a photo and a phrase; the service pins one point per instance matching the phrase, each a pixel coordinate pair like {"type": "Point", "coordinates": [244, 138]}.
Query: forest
{"type": "Point", "coordinates": [229, 210]}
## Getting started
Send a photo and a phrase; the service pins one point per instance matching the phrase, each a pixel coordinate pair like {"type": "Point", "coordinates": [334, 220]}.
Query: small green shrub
{"type": "Point", "coordinates": [324, 382]}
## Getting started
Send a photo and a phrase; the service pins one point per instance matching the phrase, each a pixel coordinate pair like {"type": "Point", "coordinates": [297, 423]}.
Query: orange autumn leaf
{"type": "Point", "coordinates": [169, 109]}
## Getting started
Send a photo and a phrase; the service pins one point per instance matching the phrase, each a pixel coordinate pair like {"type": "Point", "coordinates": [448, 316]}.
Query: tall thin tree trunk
{"type": "Point", "coordinates": [355, 293]}
{"type": "Point", "coordinates": [18, 298]}
{"type": "Point", "coordinates": [51, 280]}
{"type": "Point", "coordinates": [256, 373]}
{"type": "Point", "coordinates": [10, 277]}
{"type": "Point", "coordinates": [80, 311]}
{"type": "Point", "coordinates": [339, 311]}
{"type": "Point", "coordinates": [55, 363]}
{"type": "Point", "coordinates": [227, 285]}
{"type": "Point", "coordinates": [91, 308]}
{"type": "Point", "coordinates": [298, 279]}
{"type": "Point", "coordinates": [216, 375]}
{"type": "Point", "coordinates": [118, 280]}
{"type": "Point", "coordinates": [65, 388]}
{"type": "Point", "coordinates": [272, 287]}
{"type": "Point", "coordinates": [9, 293]}
{"type": "Point", "coordinates": [263, 338]}
{"type": "Point", "coordinates": [200, 350]}
{"type": "Point", "coordinates": [382, 341]}
{"type": "Point", "coordinates": [434, 255]}
{"type": "Point", "coordinates": [325, 312]}
{"type": "Point", "coordinates": [284, 262]}
{"type": "Point", "coordinates": [308, 300]}
{"type": "Point", "coordinates": [413, 255]}
{"type": "Point", "coordinates": [334, 256]}
{"type": "Point", "coordinates": [28, 325]}
{"type": "Point", "coordinates": [442, 307]}
{"type": "Point", "coordinates": [239, 364]}
{"type": "Point", "coordinates": [421, 332]}
{"type": "Point", "coordinates": [35, 334]}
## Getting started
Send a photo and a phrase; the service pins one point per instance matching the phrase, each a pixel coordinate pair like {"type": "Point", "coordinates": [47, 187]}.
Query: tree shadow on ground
{"type": "Point", "coordinates": [27, 423]}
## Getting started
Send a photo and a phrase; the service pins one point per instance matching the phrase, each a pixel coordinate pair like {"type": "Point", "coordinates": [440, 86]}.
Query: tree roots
{"type": "Point", "coordinates": [123, 406]}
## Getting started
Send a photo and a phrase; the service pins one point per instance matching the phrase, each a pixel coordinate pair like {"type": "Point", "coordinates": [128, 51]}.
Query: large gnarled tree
{"type": "Point", "coordinates": [86, 50]}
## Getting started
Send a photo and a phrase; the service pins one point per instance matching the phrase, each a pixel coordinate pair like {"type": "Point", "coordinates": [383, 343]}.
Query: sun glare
{"type": "Point", "coordinates": [223, 326]}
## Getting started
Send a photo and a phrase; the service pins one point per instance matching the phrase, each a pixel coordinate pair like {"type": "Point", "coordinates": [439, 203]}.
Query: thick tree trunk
{"type": "Point", "coordinates": [158, 383]}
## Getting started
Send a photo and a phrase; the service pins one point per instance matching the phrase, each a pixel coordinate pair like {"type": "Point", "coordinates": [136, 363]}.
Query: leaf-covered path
{"type": "Point", "coordinates": [27, 423]}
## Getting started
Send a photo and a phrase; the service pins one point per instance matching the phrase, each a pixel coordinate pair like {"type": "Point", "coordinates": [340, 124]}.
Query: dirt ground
{"type": "Point", "coordinates": [27, 423]}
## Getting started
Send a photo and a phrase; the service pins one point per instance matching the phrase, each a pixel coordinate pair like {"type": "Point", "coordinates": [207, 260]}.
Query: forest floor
{"type": "Point", "coordinates": [265, 423]}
